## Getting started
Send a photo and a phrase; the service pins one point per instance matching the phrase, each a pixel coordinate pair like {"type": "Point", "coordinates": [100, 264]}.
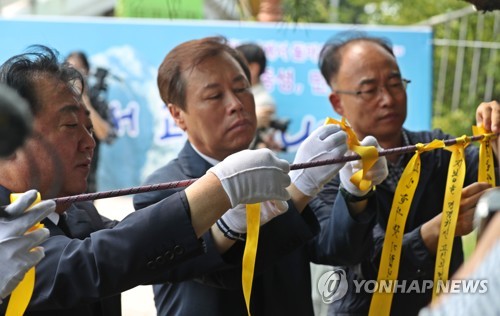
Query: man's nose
{"type": "Point", "coordinates": [233, 102]}
{"type": "Point", "coordinates": [384, 94]}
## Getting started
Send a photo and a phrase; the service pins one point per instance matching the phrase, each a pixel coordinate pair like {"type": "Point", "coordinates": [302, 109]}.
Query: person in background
{"type": "Point", "coordinates": [265, 106]}
{"type": "Point", "coordinates": [89, 260]}
{"type": "Point", "coordinates": [369, 90]}
{"type": "Point", "coordinates": [104, 129]}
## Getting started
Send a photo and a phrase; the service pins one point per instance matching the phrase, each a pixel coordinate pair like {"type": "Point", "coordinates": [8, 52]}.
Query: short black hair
{"type": "Point", "coordinates": [253, 53]}
{"type": "Point", "coordinates": [331, 53]}
{"type": "Point", "coordinates": [22, 72]}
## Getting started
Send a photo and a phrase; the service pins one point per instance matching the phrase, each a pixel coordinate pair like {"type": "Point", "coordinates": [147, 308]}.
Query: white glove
{"type": "Point", "coordinates": [18, 256]}
{"type": "Point", "coordinates": [252, 176]}
{"type": "Point", "coordinates": [326, 142]}
{"type": "Point", "coordinates": [235, 219]}
{"type": "Point", "coordinates": [16, 247]}
{"type": "Point", "coordinates": [18, 220]}
{"type": "Point", "coordinates": [376, 174]}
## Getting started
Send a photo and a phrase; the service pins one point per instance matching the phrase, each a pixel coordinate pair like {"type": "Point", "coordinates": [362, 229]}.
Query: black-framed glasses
{"type": "Point", "coordinates": [394, 87]}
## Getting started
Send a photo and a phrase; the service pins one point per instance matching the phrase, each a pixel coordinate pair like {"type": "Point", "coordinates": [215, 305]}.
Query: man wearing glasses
{"type": "Point", "coordinates": [369, 91]}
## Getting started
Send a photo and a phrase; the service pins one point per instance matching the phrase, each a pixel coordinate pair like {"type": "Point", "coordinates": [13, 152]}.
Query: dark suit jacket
{"type": "Point", "coordinates": [357, 243]}
{"type": "Point", "coordinates": [85, 275]}
{"type": "Point", "coordinates": [282, 284]}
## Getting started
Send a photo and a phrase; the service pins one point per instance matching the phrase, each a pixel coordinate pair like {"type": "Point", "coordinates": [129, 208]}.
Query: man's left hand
{"type": "Point", "coordinates": [488, 116]}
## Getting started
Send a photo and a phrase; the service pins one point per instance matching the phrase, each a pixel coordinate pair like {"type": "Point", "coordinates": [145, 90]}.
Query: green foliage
{"type": "Point", "coordinates": [469, 243]}
{"type": "Point", "coordinates": [316, 11]}
{"type": "Point", "coordinates": [456, 123]}
{"type": "Point", "coordinates": [405, 12]}
{"type": "Point", "coordinates": [472, 89]}
{"type": "Point", "coordinates": [352, 12]}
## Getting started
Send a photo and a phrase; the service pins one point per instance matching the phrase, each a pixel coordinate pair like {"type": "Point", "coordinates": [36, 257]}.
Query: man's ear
{"type": "Point", "coordinates": [178, 115]}
{"type": "Point", "coordinates": [336, 103]}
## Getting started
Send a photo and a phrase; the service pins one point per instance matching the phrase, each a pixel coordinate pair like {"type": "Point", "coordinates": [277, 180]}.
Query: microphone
{"type": "Point", "coordinates": [15, 120]}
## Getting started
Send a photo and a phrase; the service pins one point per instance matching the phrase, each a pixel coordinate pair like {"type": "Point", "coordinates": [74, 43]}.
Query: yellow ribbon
{"type": "Point", "coordinates": [250, 253]}
{"type": "Point", "coordinates": [391, 250]}
{"type": "Point", "coordinates": [368, 154]}
{"type": "Point", "coordinates": [453, 193]}
{"type": "Point", "coordinates": [486, 166]}
{"type": "Point", "coordinates": [21, 296]}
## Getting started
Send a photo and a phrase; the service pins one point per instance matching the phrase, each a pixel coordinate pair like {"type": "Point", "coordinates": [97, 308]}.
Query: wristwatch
{"type": "Point", "coordinates": [486, 207]}
{"type": "Point", "coordinates": [353, 198]}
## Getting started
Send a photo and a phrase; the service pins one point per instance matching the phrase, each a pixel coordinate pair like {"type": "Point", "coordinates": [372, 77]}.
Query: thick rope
{"type": "Point", "coordinates": [185, 183]}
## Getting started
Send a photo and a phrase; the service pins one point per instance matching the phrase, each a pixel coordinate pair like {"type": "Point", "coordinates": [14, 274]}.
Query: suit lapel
{"type": "Point", "coordinates": [192, 164]}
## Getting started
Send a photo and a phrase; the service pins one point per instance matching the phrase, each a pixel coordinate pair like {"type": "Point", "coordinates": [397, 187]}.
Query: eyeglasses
{"type": "Point", "coordinates": [395, 87]}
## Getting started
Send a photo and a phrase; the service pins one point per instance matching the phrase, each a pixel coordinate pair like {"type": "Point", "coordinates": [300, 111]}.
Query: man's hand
{"type": "Point", "coordinates": [326, 142]}
{"type": "Point", "coordinates": [468, 202]}
{"type": "Point", "coordinates": [470, 196]}
{"type": "Point", "coordinates": [236, 218]}
{"type": "Point", "coordinates": [376, 174]}
{"type": "Point", "coordinates": [18, 249]}
{"type": "Point", "coordinates": [252, 176]}
{"type": "Point", "coordinates": [488, 116]}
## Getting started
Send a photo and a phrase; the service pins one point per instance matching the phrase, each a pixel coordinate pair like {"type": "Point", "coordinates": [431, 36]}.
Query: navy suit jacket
{"type": "Point", "coordinates": [85, 274]}
{"type": "Point", "coordinates": [356, 243]}
{"type": "Point", "coordinates": [282, 283]}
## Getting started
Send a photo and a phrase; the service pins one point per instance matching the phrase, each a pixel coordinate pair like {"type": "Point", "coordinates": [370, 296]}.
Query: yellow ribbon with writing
{"type": "Point", "coordinates": [368, 154]}
{"type": "Point", "coordinates": [391, 250]}
{"type": "Point", "coordinates": [452, 196]}
{"type": "Point", "coordinates": [250, 253]}
{"type": "Point", "coordinates": [486, 166]}
{"type": "Point", "coordinates": [21, 296]}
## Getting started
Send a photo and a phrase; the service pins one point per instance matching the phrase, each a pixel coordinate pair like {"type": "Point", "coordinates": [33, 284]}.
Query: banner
{"type": "Point", "coordinates": [132, 50]}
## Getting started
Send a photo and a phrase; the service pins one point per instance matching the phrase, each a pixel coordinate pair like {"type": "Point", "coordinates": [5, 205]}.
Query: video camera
{"type": "Point", "coordinates": [264, 135]}
{"type": "Point", "coordinates": [100, 76]}
{"type": "Point", "coordinates": [280, 124]}
{"type": "Point", "coordinates": [98, 94]}
{"type": "Point", "coordinates": [98, 89]}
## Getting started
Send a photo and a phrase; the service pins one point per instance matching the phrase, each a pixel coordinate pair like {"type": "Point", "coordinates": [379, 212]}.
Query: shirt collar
{"type": "Point", "coordinates": [210, 160]}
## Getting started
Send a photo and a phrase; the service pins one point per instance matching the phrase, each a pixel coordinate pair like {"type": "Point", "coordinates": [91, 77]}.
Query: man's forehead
{"type": "Point", "coordinates": [365, 57]}
{"type": "Point", "coordinates": [64, 102]}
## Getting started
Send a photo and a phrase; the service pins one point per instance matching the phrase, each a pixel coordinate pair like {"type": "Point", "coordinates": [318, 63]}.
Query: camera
{"type": "Point", "coordinates": [99, 89]}
{"type": "Point", "coordinates": [264, 135]}
{"type": "Point", "coordinates": [280, 124]}
{"type": "Point", "coordinates": [100, 77]}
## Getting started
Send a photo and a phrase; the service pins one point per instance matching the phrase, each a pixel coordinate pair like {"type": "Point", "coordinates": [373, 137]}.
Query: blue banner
{"type": "Point", "coordinates": [132, 50]}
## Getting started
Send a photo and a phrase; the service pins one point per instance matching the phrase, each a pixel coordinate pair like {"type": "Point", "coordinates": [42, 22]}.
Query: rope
{"type": "Point", "coordinates": [185, 183]}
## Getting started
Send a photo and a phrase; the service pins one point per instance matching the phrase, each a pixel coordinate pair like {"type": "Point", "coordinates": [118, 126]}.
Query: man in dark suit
{"type": "Point", "coordinates": [206, 86]}
{"type": "Point", "coordinates": [88, 265]}
{"type": "Point", "coordinates": [369, 90]}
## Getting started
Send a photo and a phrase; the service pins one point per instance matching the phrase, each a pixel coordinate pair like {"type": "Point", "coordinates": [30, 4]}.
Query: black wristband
{"type": "Point", "coordinates": [228, 233]}
{"type": "Point", "coordinates": [353, 198]}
